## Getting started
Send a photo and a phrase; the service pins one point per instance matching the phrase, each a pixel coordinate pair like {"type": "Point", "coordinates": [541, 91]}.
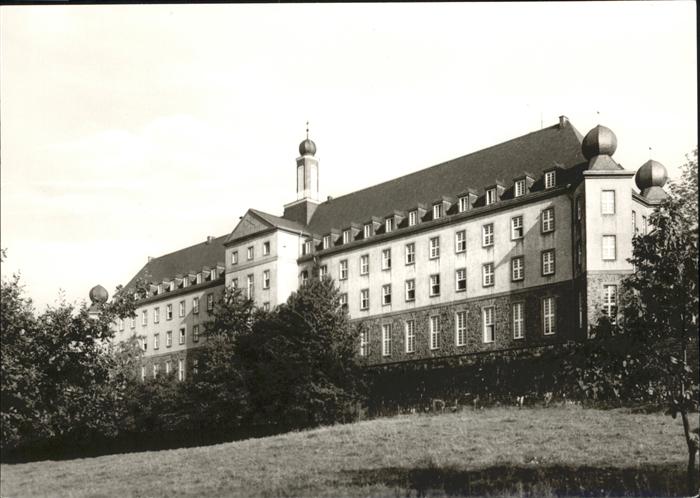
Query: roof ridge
{"type": "Point", "coordinates": [184, 248]}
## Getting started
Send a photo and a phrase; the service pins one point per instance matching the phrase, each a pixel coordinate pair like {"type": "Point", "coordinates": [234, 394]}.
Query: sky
{"type": "Point", "coordinates": [131, 131]}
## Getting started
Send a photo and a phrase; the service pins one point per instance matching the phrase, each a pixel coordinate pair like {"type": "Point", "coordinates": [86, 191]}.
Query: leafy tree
{"type": "Point", "coordinates": [301, 359]}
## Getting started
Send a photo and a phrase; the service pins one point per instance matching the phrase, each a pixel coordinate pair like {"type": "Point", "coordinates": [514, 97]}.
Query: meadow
{"type": "Point", "coordinates": [502, 451]}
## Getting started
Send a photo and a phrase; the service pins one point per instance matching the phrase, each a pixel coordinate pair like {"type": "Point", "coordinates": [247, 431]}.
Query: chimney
{"type": "Point", "coordinates": [210, 239]}
{"type": "Point", "coordinates": [563, 121]}
{"type": "Point", "coordinates": [150, 258]}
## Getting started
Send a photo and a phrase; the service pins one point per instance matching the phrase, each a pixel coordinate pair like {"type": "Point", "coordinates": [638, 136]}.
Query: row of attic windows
{"type": "Point", "coordinates": [183, 281]}
{"type": "Point", "coordinates": [446, 206]}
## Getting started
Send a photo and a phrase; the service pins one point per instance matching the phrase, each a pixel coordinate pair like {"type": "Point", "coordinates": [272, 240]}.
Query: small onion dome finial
{"type": "Point", "coordinates": [307, 148]}
{"type": "Point", "coordinates": [599, 141]}
{"type": "Point", "coordinates": [651, 174]}
{"type": "Point", "coordinates": [98, 295]}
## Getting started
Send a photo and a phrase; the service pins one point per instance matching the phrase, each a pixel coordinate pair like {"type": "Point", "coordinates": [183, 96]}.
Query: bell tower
{"type": "Point", "coordinates": [308, 196]}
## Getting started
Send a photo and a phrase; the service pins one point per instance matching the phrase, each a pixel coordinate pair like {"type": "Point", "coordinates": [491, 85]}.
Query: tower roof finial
{"type": "Point", "coordinates": [307, 129]}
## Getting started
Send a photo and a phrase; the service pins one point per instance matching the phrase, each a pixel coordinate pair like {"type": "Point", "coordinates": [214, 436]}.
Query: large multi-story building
{"type": "Point", "coordinates": [521, 244]}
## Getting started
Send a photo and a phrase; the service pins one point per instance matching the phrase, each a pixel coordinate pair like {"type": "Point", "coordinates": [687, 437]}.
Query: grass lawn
{"type": "Point", "coordinates": [499, 451]}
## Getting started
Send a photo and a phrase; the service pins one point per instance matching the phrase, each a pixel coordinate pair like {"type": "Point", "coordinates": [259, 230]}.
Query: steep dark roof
{"type": "Point", "coordinates": [535, 153]}
{"type": "Point", "coordinates": [191, 258]}
{"type": "Point", "coordinates": [280, 222]}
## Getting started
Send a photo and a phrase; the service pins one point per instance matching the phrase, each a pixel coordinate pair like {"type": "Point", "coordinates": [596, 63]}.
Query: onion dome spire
{"type": "Point", "coordinates": [307, 147]}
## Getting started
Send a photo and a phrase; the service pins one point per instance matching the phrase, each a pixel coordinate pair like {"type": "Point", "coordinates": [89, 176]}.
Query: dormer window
{"type": "Point", "coordinates": [388, 225]}
{"type": "Point", "coordinates": [306, 248]}
{"type": "Point", "coordinates": [326, 241]}
{"type": "Point", "coordinates": [186, 282]}
{"type": "Point", "coordinates": [519, 188]}
{"type": "Point", "coordinates": [463, 204]}
{"type": "Point", "coordinates": [199, 277]}
{"type": "Point", "coordinates": [490, 196]}
{"type": "Point", "coordinates": [212, 275]}
{"type": "Point", "coordinates": [346, 236]}
{"type": "Point", "coordinates": [412, 218]}
{"type": "Point", "coordinates": [171, 286]}
{"type": "Point", "coordinates": [437, 211]}
{"type": "Point", "coordinates": [550, 179]}
{"type": "Point", "coordinates": [367, 231]}
{"type": "Point", "coordinates": [160, 288]}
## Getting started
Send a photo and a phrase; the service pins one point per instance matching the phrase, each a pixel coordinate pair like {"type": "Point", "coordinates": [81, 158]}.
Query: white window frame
{"type": "Point", "coordinates": [461, 241]}
{"type": "Point", "coordinates": [607, 202]}
{"type": "Point", "coordinates": [549, 315]}
{"type": "Point", "coordinates": [550, 179]}
{"type": "Point", "coordinates": [460, 276]}
{"type": "Point", "coordinates": [250, 252]}
{"type": "Point", "coordinates": [410, 336]}
{"type": "Point", "coordinates": [322, 272]}
{"type": "Point", "coordinates": [326, 241]}
{"type": "Point", "coordinates": [181, 309]}
{"type": "Point", "coordinates": [386, 259]}
{"type": "Point", "coordinates": [434, 332]}
{"type": "Point", "coordinates": [195, 305]}
{"type": "Point", "coordinates": [519, 188]}
{"type": "Point", "coordinates": [304, 276]}
{"type": "Point", "coordinates": [364, 264]}
{"type": "Point", "coordinates": [389, 225]}
{"type": "Point", "coordinates": [434, 247]}
{"type": "Point", "coordinates": [195, 333]}
{"type": "Point", "coordinates": [386, 294]}
{"type": "Point", "coordinates": [156, 368]}
{"type": "Point", "coordinates": [364, 343]}
{"type": "Point", "coordinates": [517, 228]}
{"type": "Point", "coordinates": [410, 286]}
{"type": "Point", "coordinates": [266, 248]}
{"type": "Point", "coordinates": [343, 269]}
{"type": "Point", "coordinates": [488, 275]}
{"type": "Point", "coordinates": [548, 262]}
{"type": "Point", "coordinates": [517, 268]}
{"type": "Point", "coordinates": [182, 335]}
{"type": "Point", "coordinates": [410, 253]}
{"type": "Point", "coordinates": [489, 325]}
{"type": "Point", "coordinates": [343, 299]}
{"type": "Point", "coordinates": [266, 279]}
{"type": "Point", "coordinates": [169, 312]}
{"type": "Point", "coordinates": [132, 322]}
{"type": "Point", "coordinates": [437, 211]}
{"type": "Point", "coordinates": [490, 196]}
{"type": "Point", "coordinates": [367, 230]}
{"type": "Point", "coordinates": [346, 236]}
{"type": "Point", "coordinates": [386, 339]}
{"type": "Point", "coordinates": [547, 220]}
{"type": "Point", "coordinates": [143, 373]}
{"type": "Point", "coordinates": [487, 235]}
{"type": "Point", "coordinates": [413, 218]}
{"type": "Point", "coordinates": [156, 315]}
{"type": "Point", "coordinates": [156, 341]}
{"type": "Point", "coordinates": [434, 282]}
{"type": "Point", "coordinates": [461, 328]}
{"type": "Point", "coordinates": [364, 299]}
{"type": "Point", "coordinates": [210, 302]}
{"type": "Point", "coordinates": [634, 223]}
{"type": "Point", "coordinates": [144, 317]}
{"type": "Point", "coordinates": [306, 248]}
{"type": "Point", "coordinates": [180, 369]}
{"type": "Point", "coordinates": [169, 338]}
{"type": "Point", "coordinates": [610, 302]}
{"type": "Point", "coordinates": [609, 251]}
{"type": "Point", "coordinates": [518, 312]}
{"type": "Point", "coordinates": [250, 286]}
{"type": "Point", "coordinates": [463, 204]}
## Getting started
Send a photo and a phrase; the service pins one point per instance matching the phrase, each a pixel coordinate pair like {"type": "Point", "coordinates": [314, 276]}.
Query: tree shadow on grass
{"type": "Point", "coordinates": [539, 480]}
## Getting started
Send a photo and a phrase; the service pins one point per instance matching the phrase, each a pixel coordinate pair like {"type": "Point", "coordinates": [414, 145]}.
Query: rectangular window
{"type": "Point", "coordinates": [343, 272]}
{"type": "Point", "coordinates": [490, 196]}
{"type": "Point", "coordinates": [434, 332]}
{"type": "Point", "coordinates": [386, 339]}
{"type": "Point", "coordinates": [212, 274]}
{"type": "Point", "coordinates": [412, 218]}
{"type": "Point", "coordinates": [198, 279]}
{"type": "Point", "coordinates": [461, 328]}
{"type": "Point", "coordinates": [156, 315]}
{"type": "Point", "coordinates": [518, 321]}
{"type": "Point", "coordinates": [195, 333]}
{"type": "Point", "coordinates": [364, 343]}
{"type": "Point", "coordinates": [548, 262]}
{"type": "Point", "coordinates": [326, 241]}
{"type": "Point", "coordinates": [437, 211]}
{"type": "Point", "coordinates": [180, 369]}
{"type": "Point", "coordinates": [234, 258]}
{"type": "Point", "coordinates": [487, 235]}
{"type": "Point", "coordinates": [364, 299]}
{"type": "Point", "coordinates": [346, 236]}
{"type": "Point", "coordinates": [610, 302]}
{"type": "Point", "coordinates": [156, 341]}
{"type": "Point", "coordinates": [388, 225]}
{"type": "Point", "coordinates": [386, 294]}
{"type": "Point", "coordinates": [548, 316]}
{"type": "Point", "coordinates": [322, 272]}
{"type": "Point", "coordinates": [251, 252]}
{"type": "Point", "coordinates": [250, 286]}
{"type": "Point", "coordinates": [132, 322]}
{"type": "Point", "coordinates": [181, 339]}
{"type": "Point", "coordinates": [367, 231]}
{"type": "Point", "coordinates": [143, 373]}
{"type": "Point", "coordinates": [185, 282]}
{"type": "Point", "coordinates": [607, 202]}
{"type": "Point", "coordinates": [364, 264]}
{"type": "Point", "coordinates": [195, 367]}
{"type": "Point", "coordinates": [144, 317]}
{"type": "Point", "coordinates": [304, 277]}
{"type": "Point", "coordinates": [169, 312]}
{"type": "Point", "coordinates": [121, 324]}
{"type": "Point", "coordinates": [489, 325]}
{"type": "Point", "coordinates": [386, 259]}
{"type": "Point", "coordinates": [343, 299]}
{"type": "Point", "coordinates": [461, 241]}
{"type": "Point", "coordinates": [609, 247]}
{"type": "Point", "coordinates": [516, 228]}
{"type": "Point", "coordinates": [168, 366]}
{"type": "Point", "coordinates": [144, 344]}
{"type": "Point", "coordinates": [547, 220]}
{"type": "Point", "coordinates": [266, 279]}
{"type": "Point", "coordinates": [550, 179]}
{"type": "Point", "coordinates": [195, 305]}
{"type": "Point", "coordinates": [410, 336]}
{"type": "Point", "coordinates": [463, 204]}
{"type": "Point", "coordinates": [181, 311]}
{"type": "Point", "coordinates": [210, 302]}
{"type": "Point", "coordinates": [160, 288]}
{"type": "Point", "coordinates": [517, 268]}
{"type": "Point", "coordinates": [434, 285]}
{"type": "Point", "coordinates": [266, 248]}
{"type": "Point", "coordinates": [461, 279]}
{"type": "Point", "coordinates": [410, 253]}
{"type": "Point", "coordinates": [634, 223]}
{"type": "Point", "coordinates": [487, 275]}
{"type": "Point", "coordinates": [168, 338]}
{"type": "Point", "coordinates": [306, 248]}
{"type": "Point", "coordinates": [410, 290]}
{"type": "Point", "coordinates": [519, 188]}
{"type": "Point", "coordinates": [434, 247]}
{"type": "Point", "coordinates": [156, 368]}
